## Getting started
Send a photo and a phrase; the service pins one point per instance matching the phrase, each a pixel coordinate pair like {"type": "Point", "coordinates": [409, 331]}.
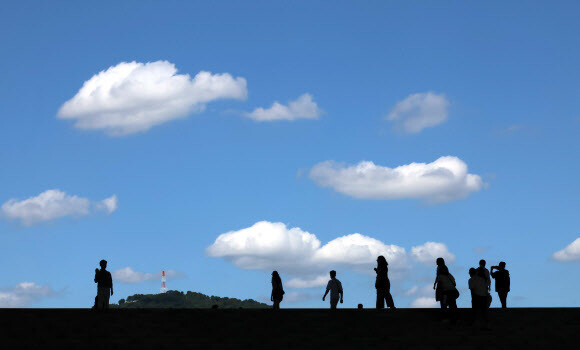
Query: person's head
{"type": "Point", "coordinates": [275, 275]}
{"type": "Point", "coordinates": [472, 272]}
{"type": "Point", "coordinates": [103, 264]}
{"type": "Point", "coordinates": [502, 265]}
{"type": "Point", "coordinates": [440, 262]}
{"type": "Point", "coordinates": [381, 261]}
{"type": "Point", "coordinates": [443, 270]}
{"type": "Point", "coordinates": [332, 274]}
{"type": "Point", "coordinates": [481, 263]}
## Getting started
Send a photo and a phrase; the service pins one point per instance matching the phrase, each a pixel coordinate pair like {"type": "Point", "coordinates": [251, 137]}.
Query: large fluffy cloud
{"type": "Point", "coordinates": [266, 246]}
{"type": "Point", "coordinates": [24, 294]}
{"type": "Point", "coordinates": [128, 275]}
{"type": "Point", "coordinates": [302, 108]}
{"type": "Point", "coordinates": [132, 97]}
{"type": "Point", "coordinates": [419, 111]}
{"type": "Point", "coordinates": [570, 253]}
{"type": "Point", "coordinates": [430, 251]}
{"type": "Point", "coordinates": [443, 180]}
{"type": "Point", "coordinates": [54, 204]}
{"type": "Point", "coordinates": [273, 246]}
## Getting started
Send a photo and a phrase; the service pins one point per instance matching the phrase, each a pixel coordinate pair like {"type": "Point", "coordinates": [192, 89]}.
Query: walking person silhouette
{"type": "Point", "coordinates": [445, 291]}
{"type": "Point", "coordinates": [277, 290]}
{"type": "Point", "coordinates": [335, 288]}
{"type": "Point", "coordinates": [383, 285]}
{"type": "Point", "coordinates": [502, 282]}
{"type": "Point", "coordinates": [104, 286]}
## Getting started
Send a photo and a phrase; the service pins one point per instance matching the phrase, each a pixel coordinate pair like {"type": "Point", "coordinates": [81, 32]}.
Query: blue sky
{"type": "Point", "coordinates": [503, 82]}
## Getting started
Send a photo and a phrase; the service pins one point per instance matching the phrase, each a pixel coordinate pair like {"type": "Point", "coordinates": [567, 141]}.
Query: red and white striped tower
{"type": "Point", "coordinates": [163, 286]}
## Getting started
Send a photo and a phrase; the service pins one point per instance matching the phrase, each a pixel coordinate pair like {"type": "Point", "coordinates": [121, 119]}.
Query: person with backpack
{"type": "Point", "coordinates": [445, 284]}
{"type": "Point", "coordinates": [479, 297]}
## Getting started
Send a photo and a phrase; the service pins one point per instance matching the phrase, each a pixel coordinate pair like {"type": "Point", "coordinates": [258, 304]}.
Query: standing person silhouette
{"type": "Point", "coordinates": [335, 288]}
{"type": "Point", "coordinates": [445, 284]}
{"type": "Point", "coordinates": [277, 290]}
{"type": "Point", "coordinates": [383, 285]}
{"type": "Point", "coordinates": [484, 272]}
{"type": "Point", "coordinates": [479, 297]}
{"type": "Point", "coordinates": [502, 282]}
{"type": "Point", "coordinates": [438, 291]}
{"type": "Point", "coordinates": [104, 286]}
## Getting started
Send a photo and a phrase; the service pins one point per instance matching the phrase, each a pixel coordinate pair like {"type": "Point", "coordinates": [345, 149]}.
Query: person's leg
{"type": "Point", "coordinates": [444, 301]}
{"type": "Point", "coordinates": [100, 299]}
{"type": "Point", "coordinates": [503, 298]}
{"type": "Point", "coordinates": [380, 298]}
{"type": "Point", "coordinates": [107, 297]}
{"type": "Point", "coordinates": [390, 302]}
{"type": "Point", "coordinates": [333, 303]}
{"type": "Point", "coordinates": [453, 308]}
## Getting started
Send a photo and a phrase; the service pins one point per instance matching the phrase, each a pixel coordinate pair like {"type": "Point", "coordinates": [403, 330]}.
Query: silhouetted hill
{"type": "Point", "coordinates": [178, 300]}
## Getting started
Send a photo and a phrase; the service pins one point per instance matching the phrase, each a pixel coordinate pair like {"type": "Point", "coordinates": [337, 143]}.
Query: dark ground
{"type": "Point", "coordinates": [554, 328]}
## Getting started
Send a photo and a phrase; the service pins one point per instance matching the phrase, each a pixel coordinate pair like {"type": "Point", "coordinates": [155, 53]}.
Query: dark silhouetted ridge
{"type": "Point", "coordinates": [179, 300]}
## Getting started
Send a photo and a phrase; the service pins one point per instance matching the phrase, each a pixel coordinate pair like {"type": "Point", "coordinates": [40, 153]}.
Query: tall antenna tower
{"type": "Point", "coordinates": [163, 286]}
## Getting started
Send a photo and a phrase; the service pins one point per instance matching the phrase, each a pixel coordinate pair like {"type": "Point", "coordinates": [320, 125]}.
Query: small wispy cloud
{"type": "Point", "coordinates": [303, 107]}
{"type": "Point", "coordinates": [419, 111]}
{"type": "Point", "coordinates": [570, 253]}
{"type": "Point", "coordinates": [54, 204]}
{"type": "Point", "coordinates": [24, 294]}
{"type": "Point", "coordinates": [128, 275]}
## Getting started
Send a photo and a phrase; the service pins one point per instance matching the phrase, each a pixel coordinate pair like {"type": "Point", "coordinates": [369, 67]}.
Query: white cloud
{"type": "Point", "coordinates": [272, 246]}
{"type": "Point", "coordinates": [109, 204]}
{"type": "Point", "coordinates": [425, 302]}
{"type": "Point", "coordinates": [359, 252]}
{"type": "Point", "coordinates": [53, 204]}
{"type": "Point", "coordinates": [297, 297]}
{"type": "Point", "coordinates": [443, 180]}
{"type": "Point", "coordinates": [430, 251]}
{"type": "Point", "coordinates": [308, 283]}
{"type": "Point", "coordinates": [419, 111]}
{"type": "Point", "coordinates": [128, 275]}
{"type": "Point", "coordinates": [266, 246]}
{"type": "Point", "coordinates": [132, 97]}
{"type": "Point", "coordinates": [24, 294]}
{"type": "Point", "coordinates": [570, 253]}
{"type": "Point", "coordinates": [302, 108]}
{"type": "Point", "coordinates": [417, 291]}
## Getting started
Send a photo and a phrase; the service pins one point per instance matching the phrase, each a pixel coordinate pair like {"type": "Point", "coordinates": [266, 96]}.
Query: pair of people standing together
{"type": "Point", "coordinates": [334, 287]}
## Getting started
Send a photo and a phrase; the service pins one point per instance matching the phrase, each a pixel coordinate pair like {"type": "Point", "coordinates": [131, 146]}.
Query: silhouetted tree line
{"type": "Point", "coordinates": [179, 300]}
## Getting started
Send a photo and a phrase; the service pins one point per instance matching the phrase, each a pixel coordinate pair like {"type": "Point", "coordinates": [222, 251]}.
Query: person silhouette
{"type": "Point", "coordinates": [479, 297]}
{"type": "Point", "coordinates": [383, 285]}
{"type": "Point", "coordinates": [484, 272]}
{"type": "Point", "coordinates": [104, 286]}
{"type": "Point", "coordinates": [335, 288]}
{"type": "Point", "coordinates": [438, 291]}
{"type": "Point", "coordinates": [445, 285]}
{"type": "Point", "coordinates": [277, 290]}
{"type": "Point", "coordinates": [502, 282]}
